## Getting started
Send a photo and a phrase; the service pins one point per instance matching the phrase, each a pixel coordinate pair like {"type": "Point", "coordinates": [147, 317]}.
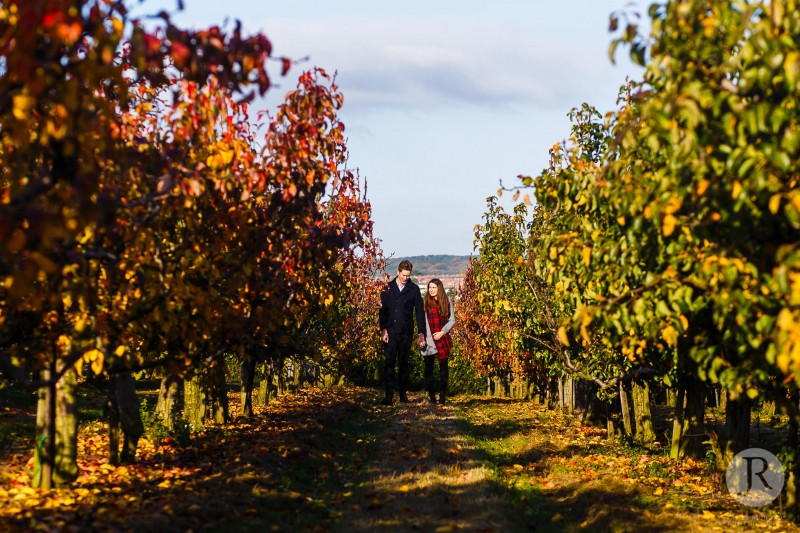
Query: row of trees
{"type": "Point", "coordinates": [147, 222]}
{"type": "Point", "coordinates": [663, 247]}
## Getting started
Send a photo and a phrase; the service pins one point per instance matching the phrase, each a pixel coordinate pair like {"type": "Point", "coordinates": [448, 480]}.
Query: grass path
{"type": "Point", "coordinates": [334, 460]}
{"type": "Point", "coordinates": [495, 465]}
{"type": "Point", "coordinates": [427, 476]}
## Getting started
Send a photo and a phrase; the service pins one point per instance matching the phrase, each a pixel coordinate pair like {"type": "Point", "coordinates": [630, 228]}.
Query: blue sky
{"type": "Point", "coordinates": [443, 98]}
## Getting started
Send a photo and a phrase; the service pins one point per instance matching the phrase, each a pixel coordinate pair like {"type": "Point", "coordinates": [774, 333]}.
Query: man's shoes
{"type": "Point", "coordinates": [386, 401]}
{"type": "Point", "coordinates": [432, 397]}
{"type": "Point", "coordinates": [441, 399]}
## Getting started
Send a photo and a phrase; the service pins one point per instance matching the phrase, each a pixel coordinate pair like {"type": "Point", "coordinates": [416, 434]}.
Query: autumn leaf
{"type": "Point", "coordinates": [562, 336]}
{"type": "Point", "coordinates": [668, 225]}
{"type": "Point", "coordinates": [22, 105]}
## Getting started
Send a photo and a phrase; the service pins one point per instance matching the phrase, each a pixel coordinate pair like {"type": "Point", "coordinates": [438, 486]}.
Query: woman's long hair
{"type": "Point", "coordinates": [442, 302]}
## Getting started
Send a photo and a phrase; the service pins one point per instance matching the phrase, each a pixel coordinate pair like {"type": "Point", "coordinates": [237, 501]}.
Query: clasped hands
{"type": "Point", "coordinates": [421, 340]}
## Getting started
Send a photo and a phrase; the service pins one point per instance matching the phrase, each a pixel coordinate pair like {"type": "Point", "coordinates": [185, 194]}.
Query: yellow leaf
{"type": "Point", "coordinates": [791, 65]}
{"type": "Point", "coordinates": [587, 255]}
{"type": "Point", "coordinates": [659, 491]}
{"type": "Point", "coordinates": [22, 106]}
{"type": "Point", "coordinates": [669, 225]}
{"type": "Point", "coordinates": [670, 335]}
{"type": "Point", "coordinates": [737, 189]}
{"type": "Point", "coordinates": [56, 130]}
{"type": "Point", "coordinates": [518, 467]}
{"type": "Point", "coordinates": [702, 187]}
{"type": "Point", "coordinates": [117, 25]}
{"type": "Point", "coordinates": [95, 357]}
{"type": "Point", "coordinates": [226, 156]}
{"type": "Point", "coordinates": [708, 515]}
{"type": "Point", "coordinates": [404, 488]}
{"type": "Point", "coordinates": [684, 322]}
{"type": "Point", "coordinates": [562, 336]}
{"type": "Point", "coordinates": [621, 220]}
{"type": "Point", "coordinates": [774, 203]}
{"type": "Point", "coordinates": [120, 351]}
{"type": "Point", "coordinates": [97, 366]}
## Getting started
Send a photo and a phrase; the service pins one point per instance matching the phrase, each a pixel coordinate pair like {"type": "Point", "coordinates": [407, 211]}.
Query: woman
{"type": "Point", "coordinates": [440, 320]}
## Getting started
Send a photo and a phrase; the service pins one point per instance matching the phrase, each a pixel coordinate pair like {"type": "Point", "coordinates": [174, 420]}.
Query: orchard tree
{"type": "Point", "coordinates": [493, 320]}
{"type": "Point", "coordinates": [692, 212]}
{"type": "Point", "coordinates": [69, 75]}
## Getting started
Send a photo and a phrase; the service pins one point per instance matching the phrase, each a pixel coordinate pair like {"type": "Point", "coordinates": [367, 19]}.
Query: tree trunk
{"type": "Point", "coordinates": [625, 407]}
{"type": "Point", "coordinates": [677, 422]}
{"type": "Point", "coordinates": [737, 425]}
{"type": "Point", "coordinates": [789, 457]}
{"type": "Point", "coordinates": [645, 433]}
{"type": "Point", "coordinates": [130, 418]}
{"type": "Point", "coordinates": [266, 387]}
{"type": "Point", "coordinates": [170, 402]}
{"type": "Point", "coordinates": [248, 379]}
{"type": "Point", "coordinates": [113, 423]}
{"type": "Point", "coordinates": [44, 446]}
{"type": "Point", "coordinates": [194, 402]}
{"type": "Point", "coordinates": [568, 395]}
{"type": "Point", "coordinates": [613, 419]}
{"type": "Point", "coordinates": [206, 400]}
{"type": "Point", "coordinates": [596, 410]}
{"type": "Point", "coordinates": [671, 395]}
{"type": "Point", "coordinates": [66, 458]}
{"type": "Point", "coordinates": [279, 372]}
{"type": "Point", "coordinates": [688, 431]}
{"type": "Point", "coordinates": [56, 444]}
{"type": "Point", "coordinates": [553, 393]}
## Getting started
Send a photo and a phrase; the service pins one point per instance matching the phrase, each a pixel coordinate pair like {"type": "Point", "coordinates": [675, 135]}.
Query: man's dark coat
{"type": "Point", "coordinates": [397, 307]}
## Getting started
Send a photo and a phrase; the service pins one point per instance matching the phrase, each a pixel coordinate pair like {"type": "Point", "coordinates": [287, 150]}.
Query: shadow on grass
{"type": "Point", "coordinates": [334, 460]}
{"type": "Point", "coordinates": [289, 468]}
{"type": "Point", "coordinates": [574, 504]}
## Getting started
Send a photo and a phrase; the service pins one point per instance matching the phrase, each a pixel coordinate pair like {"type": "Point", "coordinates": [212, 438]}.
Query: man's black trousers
{"type": "Point", "coordinates": [397, 350]}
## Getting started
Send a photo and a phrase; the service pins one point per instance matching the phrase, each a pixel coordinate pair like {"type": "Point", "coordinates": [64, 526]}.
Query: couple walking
{"type": "Point", "coordinates": [400, 299]}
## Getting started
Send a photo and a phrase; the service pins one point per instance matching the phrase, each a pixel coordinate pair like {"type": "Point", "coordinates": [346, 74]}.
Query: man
{"type": "Point", "coordinates": [399, 300]}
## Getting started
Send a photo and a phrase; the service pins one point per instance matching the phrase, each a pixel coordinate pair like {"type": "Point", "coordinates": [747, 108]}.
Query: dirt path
{"type": "Point", "coordinates": [427, 477]}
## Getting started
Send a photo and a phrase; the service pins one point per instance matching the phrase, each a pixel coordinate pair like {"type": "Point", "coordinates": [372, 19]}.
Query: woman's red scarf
{"type": "Point", "coordinates": [436, 322]}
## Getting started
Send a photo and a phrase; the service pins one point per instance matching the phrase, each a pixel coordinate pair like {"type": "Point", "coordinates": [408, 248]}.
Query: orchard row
{"type": "Point", "coordinates": [149, 221]}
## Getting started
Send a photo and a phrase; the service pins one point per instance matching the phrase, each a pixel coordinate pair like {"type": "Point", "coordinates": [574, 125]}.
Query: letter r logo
{"type": "Point", "coordinates": [754, 477]}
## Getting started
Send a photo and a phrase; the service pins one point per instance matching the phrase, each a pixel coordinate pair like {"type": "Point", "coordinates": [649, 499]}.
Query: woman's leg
{"type": "Point", "coordinates": [429, 376]}
{"type": "Point", "coordinates": [444, 374]}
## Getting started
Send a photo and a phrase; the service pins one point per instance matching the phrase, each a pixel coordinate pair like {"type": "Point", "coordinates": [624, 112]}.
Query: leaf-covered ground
{"type": "Point", "coordinates": [335, 460]}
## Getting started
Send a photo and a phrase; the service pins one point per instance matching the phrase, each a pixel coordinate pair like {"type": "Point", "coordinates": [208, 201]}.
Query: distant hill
{"type": "Point", "coordinates": [431, 265]}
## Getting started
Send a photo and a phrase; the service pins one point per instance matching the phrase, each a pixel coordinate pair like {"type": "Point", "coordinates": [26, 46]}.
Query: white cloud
{"type": "Point", "coordinates": [386, 62]}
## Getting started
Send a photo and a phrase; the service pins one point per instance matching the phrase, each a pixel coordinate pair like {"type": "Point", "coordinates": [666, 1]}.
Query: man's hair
{"type": "Point", "coordinates": [405, 264]}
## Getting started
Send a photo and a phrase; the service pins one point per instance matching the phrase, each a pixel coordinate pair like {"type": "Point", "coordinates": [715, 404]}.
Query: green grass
{"type": "Point", "coordinates": [17, 416]}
